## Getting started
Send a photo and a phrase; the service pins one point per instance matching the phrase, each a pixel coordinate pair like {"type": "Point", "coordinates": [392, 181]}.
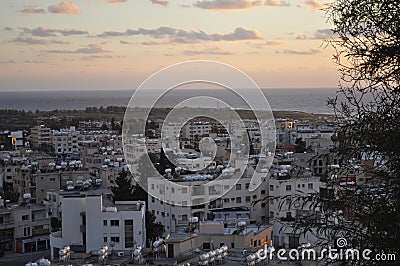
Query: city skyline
{"type": "Point", "coordinates": [116, 44]}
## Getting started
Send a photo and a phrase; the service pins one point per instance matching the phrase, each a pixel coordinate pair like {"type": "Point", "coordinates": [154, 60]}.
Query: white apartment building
{"type": "Point", "coordinates": [91, 221]}
{"type": "Point", "coordinates": [224, 194]}
{"type": "Point", "coordinates": [286, 209]}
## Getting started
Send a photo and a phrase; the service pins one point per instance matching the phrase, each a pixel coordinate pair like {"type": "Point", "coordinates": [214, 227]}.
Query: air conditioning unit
{"type": "Point", "coordinates": [120, 254]}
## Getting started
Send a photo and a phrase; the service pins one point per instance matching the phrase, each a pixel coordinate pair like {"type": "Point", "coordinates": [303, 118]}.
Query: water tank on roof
{"type": "Point", "coordinates": [44, 262]}
{"type": "Point", "coordinates": [27, 196]}
{"type": "Point", "coordinates": [111, 209]}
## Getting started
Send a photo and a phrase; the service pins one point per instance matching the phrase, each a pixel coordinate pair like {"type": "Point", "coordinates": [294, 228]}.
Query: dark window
{"type": "Point", "coordinates": [105, 224]}
{"type": "Point", "coordinates": [114, 222]}
{"type": "Point", "coordinates": [115, 239]}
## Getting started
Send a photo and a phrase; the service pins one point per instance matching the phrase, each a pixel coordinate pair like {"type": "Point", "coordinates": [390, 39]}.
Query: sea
{"type": "Point", "coordinates": [310, 100]}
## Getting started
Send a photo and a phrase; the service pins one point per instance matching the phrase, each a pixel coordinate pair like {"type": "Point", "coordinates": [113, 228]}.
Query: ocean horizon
{"type": "Point", "coordinates": [311, 100]}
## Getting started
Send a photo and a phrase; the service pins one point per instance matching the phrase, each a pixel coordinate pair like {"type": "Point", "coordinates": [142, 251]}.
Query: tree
{"type": "Point", "coordinates": [368, 54]}
{"type": "Point", "coordinates": [366, 38]}
{"type": "Point", "coordinates": [300, 145]}
{"type": "Point", "coordinates": [123, 191]}
{"type": "Point", "coordinates": [154, 229]}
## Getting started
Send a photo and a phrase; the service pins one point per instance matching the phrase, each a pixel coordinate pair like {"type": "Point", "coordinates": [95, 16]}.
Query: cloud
{"type": "Point", "coordinates": [300, 52]}
{"type": "Point", "coordinates": [321, 34]}
{"type": "Point", "coordinates": [8, 62]}
{"type": "Point", "coordinates": [7, 29]}
{"type": "Point", "coordinates": [33, 62]}
{"type": "Point", "coordinates": [276, 3]}
{"type": "Point", "coordinates": [96, 48]}
{"type": "Point", "coordinates": [266, 44]}
{"type": "Point", "coordinates": [183, 36]}
{"type": "Point", "coordinates": [42, 31]}
{"type": "Point", "coordinates": [227, 4]}
{"type": "Point", "coordinates": [160, 2]}
{"type": "Point", "coordinates": [92, 57]}
{"type": "Point", "coordinates": [313, 4]}
{"type": "Point", "coordinates": [32, 9]}
{"type": "Point", "coordinates": [36, 41]}
{"type": "Point", "coordinates": [108, 34]}
{"type": "Point", "coordinates": [124, 42]}
{"type": "Point", "coordinates": [301, 37]}
{"type": "Point", "coordinates": [116, 1]}
{"type": "Point", "coordinates": [65, 7]}
{"type": "Point", "coordinates": [212, 50]}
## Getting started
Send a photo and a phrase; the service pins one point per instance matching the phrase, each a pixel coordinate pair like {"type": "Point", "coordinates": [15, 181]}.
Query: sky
{"type": "Point", "coordinates": [117, 44]}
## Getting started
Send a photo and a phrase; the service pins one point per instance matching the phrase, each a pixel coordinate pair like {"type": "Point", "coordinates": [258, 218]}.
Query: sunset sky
{"type": "Point", "coordinates": [116, 44]}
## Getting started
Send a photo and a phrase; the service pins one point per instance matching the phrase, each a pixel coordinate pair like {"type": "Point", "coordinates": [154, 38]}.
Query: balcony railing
{"type": "Point", "coordinates": [37, 232]}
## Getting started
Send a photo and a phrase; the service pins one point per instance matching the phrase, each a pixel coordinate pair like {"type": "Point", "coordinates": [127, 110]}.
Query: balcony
{"type": "Point", "coordinates": [7, 225]}
{"type": "Point", "coordinates": [38, 232]}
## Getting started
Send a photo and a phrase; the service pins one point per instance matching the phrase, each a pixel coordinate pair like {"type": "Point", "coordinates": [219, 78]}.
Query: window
{"type": "Point", "coordinates": [27, 231]}
{"type": "Point", "coordinates": [105, 238]}
{"type": "Point", "coordinates": [104, 222]}
{"type": "Point", "coordinates": [25, 217]}
{"type": "Point", "coordinates": [238, 187]}
{"type": "Point", "coordinates": [52, 179]}
{"type": "Point", "coordinates": [271, 187]}
{"type": "Point", "coordinates": [115, 239]}
{"type": "Point", "coordinates": [238, 199]}
{"type": "Point", "coordinates": [184, 190]}
{"type": "Point", "coordinates": [248, 199]}
{"type": "Point", "coordinates": [128, 233]}
{"type": "Point", "coordinates": [310, 186]}
{"type": "Point", "coordinates": [114, 222]}
{"type": "Point", "coordinates": [271, 214]}
{"type": "Point", "coordinates": [262, 192]}
{"type": "Point", "coordinates": [247, 185]}
{"type": "Point", "coordinates": [288, 187]}
{"type": "Point", "coordinates": [226, 200]}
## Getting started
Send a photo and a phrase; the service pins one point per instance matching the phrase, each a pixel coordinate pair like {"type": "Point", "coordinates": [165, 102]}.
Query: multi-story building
{"type": "Point", "coordinates": [40, 135]}
{"type": "Point", "coordinates": [24, 227]}
{"type": "Point", "coordinates": [65, 143]}
{"type": "Point", "coordinates": [284, 206]}
{"type": "Point", "coordinates": [224, 194]}
{"type": "Point", "coordinates": [91, 221]}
